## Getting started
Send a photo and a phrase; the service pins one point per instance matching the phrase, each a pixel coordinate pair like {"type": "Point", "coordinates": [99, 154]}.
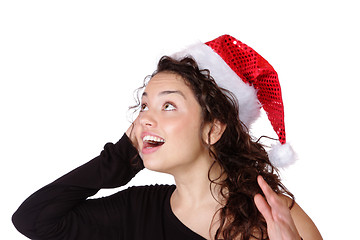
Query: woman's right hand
{"type": "Point", "coordinates": [131, 133]}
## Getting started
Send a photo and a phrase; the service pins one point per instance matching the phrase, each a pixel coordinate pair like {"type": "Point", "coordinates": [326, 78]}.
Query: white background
{"type": "Point", "coordinates": [68, 70]}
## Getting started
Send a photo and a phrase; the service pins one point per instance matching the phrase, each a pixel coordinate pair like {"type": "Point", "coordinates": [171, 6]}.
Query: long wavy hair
{"type": "Point", "coordinates": [240, 157]}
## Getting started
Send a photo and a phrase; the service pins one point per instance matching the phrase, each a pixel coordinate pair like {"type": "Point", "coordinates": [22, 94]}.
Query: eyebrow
{"type": "Point", "coordinates": [166, 93]}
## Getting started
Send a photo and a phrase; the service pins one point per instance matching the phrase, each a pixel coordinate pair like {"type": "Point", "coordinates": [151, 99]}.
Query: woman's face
{"type": "Point", "coordinates": [168, 127]}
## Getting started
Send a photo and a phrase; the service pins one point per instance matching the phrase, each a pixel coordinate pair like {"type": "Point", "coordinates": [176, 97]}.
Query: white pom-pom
{"type": "Point", "coordinates": [282, 155]}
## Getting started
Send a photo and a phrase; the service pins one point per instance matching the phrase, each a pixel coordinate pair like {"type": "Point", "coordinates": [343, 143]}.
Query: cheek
{"type": "Point", "coordinates": [183, 126]}
{"type": "Point", "coordinates": [184, 133]}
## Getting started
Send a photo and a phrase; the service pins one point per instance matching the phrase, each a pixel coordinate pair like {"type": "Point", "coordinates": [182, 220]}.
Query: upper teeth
{"type": "Point", "coordinates": [152, 138]}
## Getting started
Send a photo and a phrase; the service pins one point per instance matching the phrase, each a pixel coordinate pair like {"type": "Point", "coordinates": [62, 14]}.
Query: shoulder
{"type": "Point", "coordinates": [306, 227]}
{"type": "Point", "coordinates": [151, 188]}
{"type": "Point", "coordinates": [154, 192]}
{"type": "Point", "coordinates": [149, 199]}
{"type": "Point", "coordinates": [139, 197]}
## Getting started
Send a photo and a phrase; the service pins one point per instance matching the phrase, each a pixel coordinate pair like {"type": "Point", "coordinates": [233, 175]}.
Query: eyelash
{"type": "Point", "coordinates": [169, 103]}
{"type": "Point", "coordinates": [144, 105]}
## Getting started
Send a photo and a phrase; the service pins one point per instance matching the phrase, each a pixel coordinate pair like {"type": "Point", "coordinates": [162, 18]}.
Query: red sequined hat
{"type": "Point", "coordinates": [240, 69]}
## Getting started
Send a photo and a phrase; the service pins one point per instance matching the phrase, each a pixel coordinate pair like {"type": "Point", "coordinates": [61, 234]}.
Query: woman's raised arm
{"type": "Point", "coordinates": [59, 210]}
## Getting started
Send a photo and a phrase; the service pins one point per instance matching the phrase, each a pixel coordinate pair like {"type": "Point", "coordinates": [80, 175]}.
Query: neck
{"type": "Point", "coordinates": [196, 200]}
{"type": "Point", "coordinates": [193, 187]}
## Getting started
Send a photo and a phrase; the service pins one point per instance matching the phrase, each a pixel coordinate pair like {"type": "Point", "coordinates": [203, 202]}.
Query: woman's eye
{"type": "Point", "coordinates": [169, 107]}
{"type": "Point", "coordinates": [144, 107]}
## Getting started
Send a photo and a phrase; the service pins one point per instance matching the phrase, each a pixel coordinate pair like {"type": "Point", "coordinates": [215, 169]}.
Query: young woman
{"type": "Point", "coordinates": [189, 127]}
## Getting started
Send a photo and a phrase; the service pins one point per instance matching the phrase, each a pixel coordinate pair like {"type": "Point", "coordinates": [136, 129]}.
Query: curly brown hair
{"type": "Point", "coordinates": [240, 158]}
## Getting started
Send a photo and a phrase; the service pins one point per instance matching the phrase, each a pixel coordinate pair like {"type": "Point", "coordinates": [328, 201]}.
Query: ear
{"type": "Point", "coordinates": [216, 129]}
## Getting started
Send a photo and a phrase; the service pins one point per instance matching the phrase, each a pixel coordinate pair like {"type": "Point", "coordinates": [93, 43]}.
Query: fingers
{"type": "Point", "coordinates": [276, 212]}
{"type": "Point", "coordinates": [277, 205]}
{"type": "Point", "coordinates": [268, 192]}
{"type": "Point", "coordinates": [260, 201]}
{"type": "Point", "coordinates": [130, 130]}
{"type": "Point", "coordinates": [264, 208]}
{"type": "Point", "coordinates": [273, 199]}
{"type": "Point", "coordinates": [131, 133]}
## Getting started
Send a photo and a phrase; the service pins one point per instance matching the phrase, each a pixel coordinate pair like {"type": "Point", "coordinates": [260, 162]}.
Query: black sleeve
{"type": "Point", "coordinates": [60, 210]}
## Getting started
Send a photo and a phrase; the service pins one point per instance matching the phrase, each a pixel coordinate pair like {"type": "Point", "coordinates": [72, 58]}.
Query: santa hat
{"type": "Point", "coordinates": [238, 68]}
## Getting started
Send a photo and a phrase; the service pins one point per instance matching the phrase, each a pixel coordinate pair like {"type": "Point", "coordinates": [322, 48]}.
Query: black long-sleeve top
{"type": "Point", "coordinates": [61, 209]}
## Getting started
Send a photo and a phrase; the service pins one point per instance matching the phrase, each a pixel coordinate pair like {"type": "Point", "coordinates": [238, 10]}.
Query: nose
{"type": "Point", "coordinates": [147, 119]}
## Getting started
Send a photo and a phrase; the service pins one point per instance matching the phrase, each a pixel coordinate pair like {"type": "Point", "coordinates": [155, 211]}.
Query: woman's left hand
{"type": "Point", "coordinates": [275, 209]}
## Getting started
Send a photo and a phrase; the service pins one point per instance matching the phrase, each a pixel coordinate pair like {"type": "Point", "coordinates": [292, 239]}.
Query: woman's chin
{"type": "Point", "coordinates": [153, 164]}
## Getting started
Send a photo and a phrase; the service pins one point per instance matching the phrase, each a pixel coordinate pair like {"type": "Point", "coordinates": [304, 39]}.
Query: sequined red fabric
{"type": "Point", "coordinates": [255, 70]}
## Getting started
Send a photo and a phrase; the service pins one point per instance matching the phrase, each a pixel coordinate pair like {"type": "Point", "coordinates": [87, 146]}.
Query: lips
{"type": "Point", "coordinates": [151, 142]}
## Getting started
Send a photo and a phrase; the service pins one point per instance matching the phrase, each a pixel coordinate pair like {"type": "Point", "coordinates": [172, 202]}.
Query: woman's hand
{"type": "Point", "coordinates": [280, 225]}
{"type": "Point", "coordinates": [131, 133]}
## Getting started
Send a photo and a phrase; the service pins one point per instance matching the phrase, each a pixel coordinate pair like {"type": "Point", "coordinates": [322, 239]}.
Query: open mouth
{"type": "Point", "coordinates": [152, 142]}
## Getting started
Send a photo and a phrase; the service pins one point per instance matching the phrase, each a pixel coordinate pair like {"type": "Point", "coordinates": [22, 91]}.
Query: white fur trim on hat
{"type": "Point", "coordinates": [225, 77]}
{"type": "Point", "coordinates": [282, 155]}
